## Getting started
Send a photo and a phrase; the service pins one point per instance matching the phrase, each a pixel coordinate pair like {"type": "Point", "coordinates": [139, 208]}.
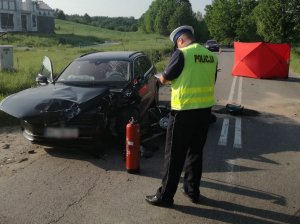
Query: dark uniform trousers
{"type": "Point", "coordinates": [186, 137]}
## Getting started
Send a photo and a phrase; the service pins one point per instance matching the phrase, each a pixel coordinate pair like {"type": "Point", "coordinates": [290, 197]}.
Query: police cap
{"type": "Point", "coordinates": [179, 31]}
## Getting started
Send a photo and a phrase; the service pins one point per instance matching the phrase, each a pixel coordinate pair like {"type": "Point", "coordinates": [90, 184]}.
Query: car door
{"type": "Point", "coordinates": [144, 81]}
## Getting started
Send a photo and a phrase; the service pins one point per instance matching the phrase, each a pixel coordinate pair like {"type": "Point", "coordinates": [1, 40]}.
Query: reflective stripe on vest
{"type": "Point", "coordinates": [194, 88]}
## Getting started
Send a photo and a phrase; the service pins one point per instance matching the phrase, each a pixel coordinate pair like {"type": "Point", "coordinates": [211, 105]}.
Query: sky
{"type": "Point", "coordinates": [112, 8]}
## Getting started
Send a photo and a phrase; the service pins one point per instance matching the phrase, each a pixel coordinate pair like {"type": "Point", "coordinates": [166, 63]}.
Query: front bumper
{"type": "Point", "coordinates": [87, 127]}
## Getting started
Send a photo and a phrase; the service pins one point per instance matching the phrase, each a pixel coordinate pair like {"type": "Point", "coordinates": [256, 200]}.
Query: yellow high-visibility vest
{"type": "Point", "coordinates": [194, 88]}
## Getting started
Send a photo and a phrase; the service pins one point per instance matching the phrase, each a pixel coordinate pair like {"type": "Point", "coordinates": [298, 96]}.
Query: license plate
{"type": "Point", "coordinates": [62, 133]}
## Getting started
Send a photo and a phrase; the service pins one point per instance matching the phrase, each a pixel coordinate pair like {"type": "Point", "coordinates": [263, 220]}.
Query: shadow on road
{"type": "Point", "coordinates": [262, 134]}
{"type": "Point", "coordinates": [110, 156]}
{"type": "Point", "coordinates": [289, 79]}
{"type": "Point", "coordinates": [235, 213]}
{"type": "Point", "coordinates": [243, 191]}
{"type": "Point", "coordinates": [293, 79]}
{"type": "Point", "coordinates": [256, 147]}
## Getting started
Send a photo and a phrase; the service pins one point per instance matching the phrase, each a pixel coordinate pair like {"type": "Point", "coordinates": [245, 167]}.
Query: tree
{"type": "Point", "coordinates": [222, 19]}
{"type": "Point", "coordinates": [147, 20]}
{"type": "Point", "coordinates": [113, 23]}
{"type": "Point", "coordinates": [183, 15]}
{"type": "Point", "coordinates": [199, 16]}
{"type": "Point", "coordinates": [163, 16]}
{"type": "Point", "coordinates": [87, 19]}
{"type": "Point", "coordinates": [59, 14]}
{"type": "Point", "coordinates": [246, 27]}
{"type": "Point", "coordinates": [202, 32]}
{"type": "Point", "coordinates": [278, 20]}
{"type": "Point", "coordinates": [229, 20]}
{"type": "Point", "coordinates": [200, 27]}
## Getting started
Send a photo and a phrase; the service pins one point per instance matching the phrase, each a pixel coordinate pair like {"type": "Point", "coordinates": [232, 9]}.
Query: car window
{"type": "Point", "coordinates": [141, 66]}
{"type": "Point", "coordinates": [96, 71]}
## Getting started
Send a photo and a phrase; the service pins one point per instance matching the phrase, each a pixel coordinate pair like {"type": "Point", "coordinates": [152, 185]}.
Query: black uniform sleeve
{"type": "Point", "coordinates": [216, 75]}
{"type": "Point", "coordinates": [175, 66]}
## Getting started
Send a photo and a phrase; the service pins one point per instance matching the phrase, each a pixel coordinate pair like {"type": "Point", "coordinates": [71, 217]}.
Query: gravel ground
{"type": "Point", "coordinates": [15, 151]}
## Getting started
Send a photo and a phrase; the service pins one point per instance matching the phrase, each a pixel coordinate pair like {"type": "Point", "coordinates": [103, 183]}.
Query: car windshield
{"type": "Point", "coordinates": [96, 71]}
{"type": "Point", "coordinates": [211, 42]}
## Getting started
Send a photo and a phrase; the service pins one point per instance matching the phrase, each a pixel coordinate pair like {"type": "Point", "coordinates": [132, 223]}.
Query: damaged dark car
{"type": "Point", "coordinates": [94, 95]}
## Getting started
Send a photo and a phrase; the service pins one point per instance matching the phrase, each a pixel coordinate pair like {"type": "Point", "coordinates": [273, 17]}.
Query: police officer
{"type": "Point", "coordinates": [191, 70]}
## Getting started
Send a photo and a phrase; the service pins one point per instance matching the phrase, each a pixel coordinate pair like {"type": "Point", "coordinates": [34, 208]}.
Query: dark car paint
{"type": "Point", "coordinates": [212, 45]}
{"type": "Point", "coordinates": [40, 100]}
{"type": "Point", "coordinates": [80, 105]}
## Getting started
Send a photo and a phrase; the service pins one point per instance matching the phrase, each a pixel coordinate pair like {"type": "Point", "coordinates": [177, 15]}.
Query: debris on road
{"type": "Point", "coordinates": [23, 160]}
{"type": "Point", "coordinates": [234, 109]}
{"type": "Point", "coordinates": [6, 146]}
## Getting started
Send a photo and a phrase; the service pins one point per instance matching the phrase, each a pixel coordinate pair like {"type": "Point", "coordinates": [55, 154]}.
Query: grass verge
{"type": "Point", "coordinates": [295, 60]}
{"type": "Point", "coordinates": [69, 42]}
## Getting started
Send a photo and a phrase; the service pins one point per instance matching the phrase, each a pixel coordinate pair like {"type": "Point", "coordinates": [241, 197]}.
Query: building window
{"type": "Point", "coordinates": [33, 21]}
{"type": "Point", "coordinates": [7, 20]}
{"type": "Point", "coordinates": [12, 6]}
{"type": "Point", "coordinates": [5, 5]}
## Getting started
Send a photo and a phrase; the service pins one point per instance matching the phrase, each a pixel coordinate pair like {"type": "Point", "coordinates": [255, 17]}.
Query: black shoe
{"type": "Point", "coordinates": [154, 200]}
{"type": "Point", "coordinates": [193, 199]}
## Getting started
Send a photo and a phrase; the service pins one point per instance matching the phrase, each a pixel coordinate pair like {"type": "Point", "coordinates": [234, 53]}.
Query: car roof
{"type": "Point", "coordinates": [111, 55]}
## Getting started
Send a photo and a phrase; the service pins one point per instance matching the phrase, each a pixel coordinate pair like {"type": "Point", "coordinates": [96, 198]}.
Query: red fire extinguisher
{"type": "Point", "coordinates": [133, 146]}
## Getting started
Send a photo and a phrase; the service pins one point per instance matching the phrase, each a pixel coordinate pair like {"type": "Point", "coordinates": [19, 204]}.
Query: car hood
{"type": "Point", "coordinates": [62, 100]}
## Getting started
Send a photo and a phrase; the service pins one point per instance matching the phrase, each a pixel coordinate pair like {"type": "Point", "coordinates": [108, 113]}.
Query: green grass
{"type": "Point", "coordinates": [70, 41]}
{"type": "Point", "coordinates": [295, 60]}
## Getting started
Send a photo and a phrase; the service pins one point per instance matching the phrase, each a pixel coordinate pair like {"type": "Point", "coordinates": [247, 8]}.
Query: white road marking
{"type": "Point", "coordinates": [238, 121]}
{"type": "Point", "coordinates": [230, 176]}
{"type": "Point", "coordinates": [224, 133]}
{"type": "Point", "coordinates": [238, 133]}
{"type": "Point", "coordinates": [239, 99]}
{"type": "Point", "coordinates": [230, 98]}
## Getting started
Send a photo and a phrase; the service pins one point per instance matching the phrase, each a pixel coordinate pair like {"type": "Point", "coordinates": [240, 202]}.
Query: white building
{"type": "Point", "coordinates": [26, 16]}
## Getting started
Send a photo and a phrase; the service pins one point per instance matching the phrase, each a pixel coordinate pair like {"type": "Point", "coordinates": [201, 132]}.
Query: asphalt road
{"type": "Point", "coordinates": [251, 169]}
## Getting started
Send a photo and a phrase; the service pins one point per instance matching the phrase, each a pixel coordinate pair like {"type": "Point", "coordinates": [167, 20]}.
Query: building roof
{"type": "Point", "coordinates": [43, 6]}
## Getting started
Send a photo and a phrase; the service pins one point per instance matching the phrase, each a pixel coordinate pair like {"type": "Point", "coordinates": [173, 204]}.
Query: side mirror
{"type": "Point", "coordinates": [41, 80]}
{"type": "Point", "coordinates": [46, 72]}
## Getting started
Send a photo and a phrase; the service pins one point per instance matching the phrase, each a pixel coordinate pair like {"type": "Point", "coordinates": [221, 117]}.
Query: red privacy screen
{"type": "Point", "coordinates": [261, 60]}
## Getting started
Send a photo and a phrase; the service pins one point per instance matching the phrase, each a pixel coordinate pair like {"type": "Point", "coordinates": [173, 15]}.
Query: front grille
{"type": "Point", "coordinates": [88, 124]}
{"type": "Point", "coordinates": [88, 120]}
